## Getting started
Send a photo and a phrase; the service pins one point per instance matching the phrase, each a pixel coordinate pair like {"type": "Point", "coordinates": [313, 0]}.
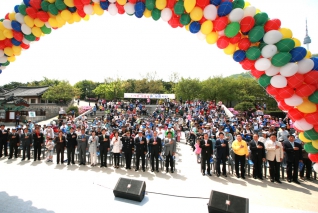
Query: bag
{"type": "Point", "coordinates": [300, 166]}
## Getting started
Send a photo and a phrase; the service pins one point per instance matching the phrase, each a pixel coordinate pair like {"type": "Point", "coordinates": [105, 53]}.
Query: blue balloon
{"type": "Point", "coordinates": [195, 27]}
{"type": "Point", "coordinates": [72, 9]}
{"type": "Point", "coordinates": [215, 2]}
{"type": "Point", "coordinates": [315, 60]}
{"type": "Point", "coordinates": [239, 55]}
{"type": "Point", "coordinates": [225, 8]}
{"type": "Point", "coordinates": [16, 26]}
{"type": "Point", "coordinates": [26, 2]}
{"type": "Point", "coordinates": [15, 42]}
{"type": "Point", "coordinates": [16, 8]}
{"type": "Point", "coordinates": [139, 9]}
{"type": "Point", "coordinates": [0, 71]}
{"type": "Point", "coordinates": [104, 5]}
{"type": "Point", "coordinates": [298, 54]}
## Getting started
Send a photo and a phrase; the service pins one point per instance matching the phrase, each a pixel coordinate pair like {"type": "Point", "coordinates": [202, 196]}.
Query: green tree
{"type": "Point", "coordinates": [63, 92]}
{"type": "Point", "coordinates": [86, 88]}
{"type": "Point", "coordinates": [188, 89]}
{"type": "Point", "coordinates": [13, 85]}
{"type": "Point", "coordinates": [244, 106]}
{"type": "Point", "coordinates": [45, 82]}
{"type": "Point", "coordinates": [111, 89]}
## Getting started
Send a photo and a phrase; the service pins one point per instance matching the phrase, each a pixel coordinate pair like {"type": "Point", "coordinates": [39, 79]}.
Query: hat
{"type": "Point", "coordinates": [169, 126]}
{"type": "Point", "coordinates": [48, 125]}
{"type": "Point", "coordinates": [283, 126]}
{"type": "Point", "coordinates": [139, 131]}
{"type": "Point", "coordinates": [264, 132]}
{"type": "Point", "coordinates": [13, 128]}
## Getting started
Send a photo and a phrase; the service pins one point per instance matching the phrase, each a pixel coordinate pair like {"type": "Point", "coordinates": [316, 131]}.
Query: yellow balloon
{"type": "Point", "coordinates": [8, 33]}
{"type": "Point", "coordinates": [60, 25]}
{"type": "Point", "coordinates": [307, 106]}
{"type": "Point", "coordinates": [66, 15]}
{"type": "Point", "coordinates": [308, 54]}
{"type": "Point", "coordinates": [60, 20]}
{"type": "Point", "coordinates": [303, 138]}
{"type": "Point", "coordinates": [1, 26]}
{"type": "Point", "coordinates": [53, 22]}
{"type": "Point", "coordinates": [206, 27]}
{"type": "Point", "coordinates": [38, 23]}
{"type": "Point", "coordinates": [247, 4]}
{"type": "Point", "coordinates": [69, 3]}
{"type": "Point", "coordinates": [51, 1]}
{"type": "Point", "coordinates": [71, 20]}
{"type": "Point", "coordinates": [121, 2]}
{"type": "Point", "coordinates": [258, 11]}
{"type": "Point", "coordinates": [189, 5]}
{"type": "Point", "coordinates": [315, 144]}
{"type": "Point", "coordinates": [16, 50]}
{"type": "Point", "coordinates": [11, 59]}
{"type": "Point", "coordinates": [229, 50]}
{"type": "Point", "coordinates": [98, 10]}
{"type": "Point", "coordinates": [187, 27]}
{"type": "Point", "coordinates": [86, 18]}
{"type": "Point", "coordinates": [8, 51]}
{"type": "Point", "coordinates": [36, 31]}
{"type": "Point", "coordinates": [2, 36]}
{"type": "Point", "coordinates": [161, 4]}
{"type": "Point", "coordinates": [212, 38]}
{"type": "Point", "coordinates": [287, 33]}
{"type": "Point", "coordinates": [29, 21]}
{"type": "Point", "coordinates": [12, 16]}
{"type": "Point", "coordinates": [147, 13]}
{"type": "Point", "coordinates": [196, 14]}
{"type": "Point", "coordinates": [297, 42]}
{"type": "Point", "coordinates": [76, 17]}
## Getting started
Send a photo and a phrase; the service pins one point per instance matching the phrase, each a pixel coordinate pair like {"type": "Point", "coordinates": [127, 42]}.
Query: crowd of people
{"type": "Point", "coordinates": [212, 132]}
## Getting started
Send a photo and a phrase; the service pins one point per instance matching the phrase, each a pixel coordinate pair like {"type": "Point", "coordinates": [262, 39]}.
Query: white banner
{"type": "Point", "coordinates": [32, 114]}
{"type": "Point", "coordinates": [151, 96]}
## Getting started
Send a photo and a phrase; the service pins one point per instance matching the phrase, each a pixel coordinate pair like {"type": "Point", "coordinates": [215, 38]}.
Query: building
{"type": "Point", "coordinates": [307, 39]}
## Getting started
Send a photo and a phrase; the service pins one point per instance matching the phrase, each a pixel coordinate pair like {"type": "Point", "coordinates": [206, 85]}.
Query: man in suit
{"type": "Point", "coordinates": [141, 150]}
{"type": "Point", "coordinates": [293, 157]}
{"type": "Point", "coordinates": [170, 150]}
{"type": "Point", "coordinates": [258, 156]}
{"type": "Point", "coordinates": [156, 147]}
{"type": "Point", "coordinates": [104, 147]}
{"type": "Point", "coordinates": [222, 154]}
{"type": "Point", "coordinates": [3, 140]}
{"type": "Point", "coordinates": [71, 145]}
{"type": "Point", "coordinates": [60, 146]}
{"type": "Point", "coordinates": [38, 140]}
{"type": "Point", "coordinates": [26, 139]}
{"type": "Point", "coordinates": [14, 140]}
{"type": "Point", "coordinates": [82, 146]}
{"type": "Point", "coordinates": [274, 156]}
{"type": "Point", "coordinates": [128, 148]}
{"type": "Point", "coordinates": [206, 153]}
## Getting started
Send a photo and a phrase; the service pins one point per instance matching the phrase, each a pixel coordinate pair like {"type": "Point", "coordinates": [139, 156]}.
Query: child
{"type": "Point", "coordinates": [49, 146]}
{"type": "Point", "coordinates": [198, 151]}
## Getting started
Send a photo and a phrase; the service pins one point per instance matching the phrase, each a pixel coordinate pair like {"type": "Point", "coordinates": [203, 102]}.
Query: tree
{"type": "Point", "coordinates": [189, 89]}
{"type": "Point", "coordinates": [45, 82]}
{"type": "Point", "coordinates": [86, 87]}
{"type": "Point", "coordinates": [63, 92]}
{"type": "Point", "coordinates": [244, 106]}
{"type": "Point", "coordinates": [13, 85]}
{"type": "Point", "coordinates": [111, 89]}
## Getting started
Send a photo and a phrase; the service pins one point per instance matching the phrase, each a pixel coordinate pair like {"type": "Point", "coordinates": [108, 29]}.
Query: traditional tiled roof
{"type": "Point", "coordinates": [27, 91]}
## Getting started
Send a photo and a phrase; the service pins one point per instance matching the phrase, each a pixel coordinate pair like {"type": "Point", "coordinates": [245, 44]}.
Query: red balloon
{"type": "Point", "coordinates": [36, 4]}
{"type": "Point", "coordinates": [311, 78]}
{"type": "Point", "coordinates": [86, 2]}
{"type": "Point", "coordinates": [273, 24]}
{"type": "Point", "coordinates": [244, 44]}
{"type": "Point", "coordinates": [305, 90]}
{"type": "Point", "coordinates": [223, 42]}
{"type": "Point", "coordinates": [286, 92]}
{"type": "Point", "coordinates": [272, 90]}
{"type": "Point", "coordinates": [236, 38]}
{"type": "Point", "coordinates": [37, 38]}
{"type": "Point", "coordinates": [313, 157]}
{"type": "Point", "coordinates": [312, 118]}
{"type": "Point", "coordinates": [171, 3]}
{"type": "Point", "coordinates": [295, 114]}
{"type": "Point", "coordinates": [220, 23]}
{"type": "Point", "coordinates": [174, 21]}
{"type": "Point", "coordinates": [79, 4]}
{"type": "Point", "coordinates": [7, 42]}
{"type": "Point", "coordinates": [81, 12]}
{"type": "Point", "coordinates": [121, 9]}
{"type": "Point", "coordinates": [257, 74]}
{"type": "Point", "coordinates": [133, 1]}
{"type": "Point", "coordinates": [203, 3]}
{"type": "Point", "coordinates": [247, 24]}
{"type": "Point", "coordinates": [43, 16]}
{"type": "Point", "coordinates": [18, 35]}
{"type": "Point", "coordinates": [7, 16]}
{"type": "Point", "coordinates": [202, 20]}
{"type": "Point", "coordinates": [316, 128]}
{"type": "Point", "coordinates": [283, 106]}
{"type": "Point", "coordinates": [25, 46]}
{"type": "Point", "coordinates": [296, 80]}
{"type": "Point", "coordinates": [247, 64]}
{"type": "Point", "coordinates": [31, 12]}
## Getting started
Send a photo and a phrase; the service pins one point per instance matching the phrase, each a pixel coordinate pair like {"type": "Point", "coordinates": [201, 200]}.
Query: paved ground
{"type": "Point", "coordinates": [46, 187]}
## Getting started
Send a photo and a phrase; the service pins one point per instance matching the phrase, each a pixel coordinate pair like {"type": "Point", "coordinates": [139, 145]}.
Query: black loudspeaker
{"type": "Point", "coordinates": [130, 189]}
{"type": "Point", "coordinates": [220, 202]}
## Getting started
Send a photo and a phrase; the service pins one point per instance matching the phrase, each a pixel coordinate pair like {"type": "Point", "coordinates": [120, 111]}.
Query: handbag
{"type": "Point", "coordinates": [300, 166]}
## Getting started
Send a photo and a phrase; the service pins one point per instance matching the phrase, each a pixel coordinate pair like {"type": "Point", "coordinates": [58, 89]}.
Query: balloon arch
{"type": "Point", "coordinates": [258, 43]}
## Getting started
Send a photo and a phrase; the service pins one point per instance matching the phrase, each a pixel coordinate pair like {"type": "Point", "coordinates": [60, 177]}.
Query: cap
{"type": "Point", "coordinates": [283, 126]}
{"type": "Point", "coordinates": [139, 131]}
{"type": "Point", "coordinates": [13, 128]}
{"type": "Point", "coordinates": [264, 132]}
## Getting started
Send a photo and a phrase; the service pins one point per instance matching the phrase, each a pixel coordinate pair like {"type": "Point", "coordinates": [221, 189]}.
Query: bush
{"type": "Point", "coordinates": [244, 106]}
{"type": "Point", "coordinates": [71, 108]}
{"type": "Point", "coordinates": [277, 114]}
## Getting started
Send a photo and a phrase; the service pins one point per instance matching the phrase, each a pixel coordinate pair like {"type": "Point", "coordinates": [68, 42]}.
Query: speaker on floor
{"type": "Point", "coordinates": [130, 189]}
{"type": "Point", "coordinates": [221, 202]}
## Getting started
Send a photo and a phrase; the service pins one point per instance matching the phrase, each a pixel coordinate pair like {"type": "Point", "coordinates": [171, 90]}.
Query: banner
{"type": "Point", "coordinates": [151, 96]}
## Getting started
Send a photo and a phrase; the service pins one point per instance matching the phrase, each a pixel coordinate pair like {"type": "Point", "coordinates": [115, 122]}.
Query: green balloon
{"type": "Point", "coordinates": [53, 10]}
{"type": "Point", "coordinates": [150, 4]}
{"type": "Point", "coordinates": [7, 63]}
{"type": "Point", "coordinates": [238, 4]}
{"type": "Point", "coordinates": [232, 29]}
{"type": "Point", "coordinates": [45, 6]}
{"type": "Point", "coordinates": [179, 8]}
{"type": "Point", "coordinates": [314, 97]}
{"type": "Point", "coordinates": [46, 30]}
{"type": "Point", "coordinates": [285, 45]}
{"type": "Point", "coordinates": [253, 53]}
{"type": "Point", "coordinates": [310, 149]}
{"type": "Point", "coordinates": [261, 45]}
{"type": "Point", "coordinates": [156, 14]}
{"type": "Point", "coordinates": [256, 34]}
{"type": "Point", "coordinates": [185, 19]}
{"type": "Point", "coordinates": [264, 80]}
{"type": "Point", "coordinates": [22, 9]}
{"type": "Point", "coordinates": [261, 18]}
{"type": "Point", "coordinates": [30, 37]}
{"type": "Point", "coordinates": [311, 134]}
{"type": "Point", "coordinates": [60, 5]}
{"type": "Point", "coordinates": [281, 59]}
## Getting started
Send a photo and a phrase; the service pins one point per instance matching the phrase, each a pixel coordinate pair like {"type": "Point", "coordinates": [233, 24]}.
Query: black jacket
{"type": "Point", "coordinates": [59, 143]}
{"type": "Point", "coordinates": [155, 148]}
{"type": "Point", "coordinates": [140, 148]}
{"type": "Point", "coordinates": [71, 140]}
{"type": "Point", "coordinates": [220, 150]}
{"type": "Point", "coordinates": [14, 138]}
{"type": "Point", "coordinates": [206, 150]}
{"type": "Point", "coordinates": [128, 144]}
{"type": "Point", "coordinates": [38, 140]}
{"type": "Point", "coordinates": [4, 135]}
{"type": "Point", "coordinates": [291, 154]}
{"type": "Point", "coordinates": [104, 144]}
{"type": "Point", "coordinates": [255, 152]}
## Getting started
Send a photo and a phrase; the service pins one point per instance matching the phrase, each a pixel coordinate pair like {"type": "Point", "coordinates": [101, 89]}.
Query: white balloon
{"type": "Point", "coordinates": [279, 81]}
{"type": "Point", "coordinates": [25, 41]}
{"type": "Point", "coordinates": [289, 69]}
{"type": "Point", "coordinates": [221, 33]}
{"type": "Point", "coordinates": [88, 9]}
{"type": "Point", "coordinates": [305, 65]}
{"type": "Point", "coordinates": [112, 1]}
{"type": "Point", "coordinates": [262, 64]}
{"type": "Point", "coordinates": [1, 53]}
{"type": "Point", "coordinates": [20, 18]}
{"type": "Point", "coordinates": [249, 11]}
{"type": "Point", "coordinates": [166, 14]}
{"type": "Point", "coordinates": [269, 51]}
{"type": "Point", "coordinates": [96, 1]}
{"type": "Point", "coordinates": [7, 24]}
{"type": "Point", "coordinates": [3, 67]}
{"type": "Point", "coordinates": [47, 24]}
{"type": "Point", "coordinates": [315, 167]}
{"type": "Point", "coordinates": [200, 36]}
{"type": "Point", "coordinates": [295, 100]}
{"type": "Point", "coordinates": [272, 70]}
{"type": "Point", "coordinates": [272, 37]}
{"type": "Point", "coordinates": [3, 59]}
{"type": "Point", "coordinates": [129, 8]}
{"type": "Point", "coordinates": [26, 29]}
{"type": "Point", "coordinates": [112, 9]}
{"type": "Point", "coordinates": [303, 125]}
{"type": "Point", "coordinates": [236, 15]}
{"type": "Point", "coordinates": [210, 12]}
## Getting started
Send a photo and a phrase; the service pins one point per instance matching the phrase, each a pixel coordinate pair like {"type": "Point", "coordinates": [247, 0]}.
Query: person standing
{"type": "Point", "coordinates": [156, 148]}
{"type": "Point", "coordinates": [169, 150]}
{"type": "Point", "coordinates": [206, 153]}
{"type": "Point", "coordinates": [71, 146]}
{"type": "Point", "coordinates": [38, 141]}
{"type": "Point", "coordinates": [293, 157]}
{"type": "Point", "coordinates": [93, 142]}
{"type": "Point", "coordinates": [141, 150]}
{"type": "Point", "coordinates": [258, 156]}
{"type": "Point", "coordinates": [222, 154]}
{"type": "Point", "coordinates": [17, 119]}
{"type": "Point", "coordinates": [117, 147]}
{"type": "Point", "coordinates": [3, 141]}
{"type": "Point", "coordinates": [307, 165]}
{"type": "Point", "coordinates": [274, 156]}
{"type": "Point", "coordinates": [14, 141]}
{"type": "Point", "coordinates": [82, 146]}
{"type": "Point", "coordinates": [26, 139]}
{"type": "Point", "coordinates": [60, 144]}
{"type": "Point", "coordinates": [128, 148]}
{"type": "Point", "coordinates": [104, 147]}
{"type": "Point", "coordinates": [239, 147]}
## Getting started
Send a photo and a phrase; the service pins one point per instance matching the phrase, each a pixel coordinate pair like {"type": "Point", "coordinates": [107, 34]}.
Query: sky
{"type": "Point", "coordinates": [127, 47]}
